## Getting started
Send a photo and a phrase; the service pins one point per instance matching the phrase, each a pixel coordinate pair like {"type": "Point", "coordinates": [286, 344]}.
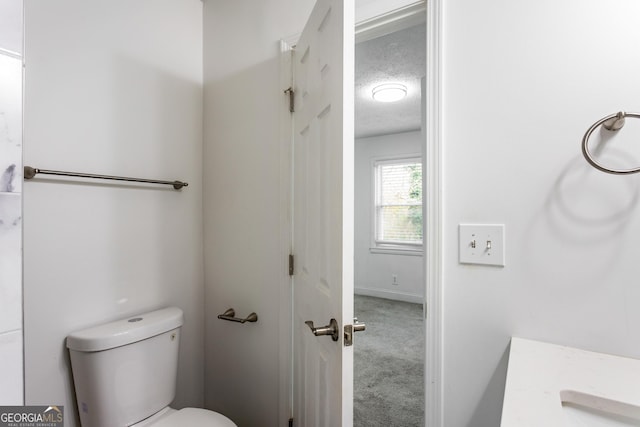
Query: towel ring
{"type": "Point", "coordinates": [614, 122]}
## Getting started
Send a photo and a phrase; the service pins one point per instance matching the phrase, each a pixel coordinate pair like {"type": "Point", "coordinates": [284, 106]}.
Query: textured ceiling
{"type": "Point", "coordinates": [398, 57]}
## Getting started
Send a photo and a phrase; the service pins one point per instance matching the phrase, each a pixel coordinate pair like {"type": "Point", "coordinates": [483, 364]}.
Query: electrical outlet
{"type": "Point", "coordinates": [482, 244]}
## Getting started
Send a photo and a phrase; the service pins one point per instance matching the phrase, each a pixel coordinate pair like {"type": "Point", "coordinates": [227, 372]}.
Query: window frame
{"type": "Point", "coordinates": [386, 246]}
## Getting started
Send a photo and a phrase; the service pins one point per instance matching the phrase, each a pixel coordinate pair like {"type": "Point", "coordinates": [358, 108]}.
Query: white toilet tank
{"type": "Point", "coordinates": [125, 371]}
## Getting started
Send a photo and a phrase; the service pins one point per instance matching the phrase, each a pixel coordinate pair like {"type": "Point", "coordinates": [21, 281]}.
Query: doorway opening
{"type": "Point", "coordinates": [389, 289]}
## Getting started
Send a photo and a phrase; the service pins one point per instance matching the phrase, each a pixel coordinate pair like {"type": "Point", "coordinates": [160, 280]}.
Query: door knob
{"type": "Point", "coordinates": [331, 329]}
{"type": "Point", "coordinates": [350, 329]}
{"type": "Point", "coordinates": [357, 326]}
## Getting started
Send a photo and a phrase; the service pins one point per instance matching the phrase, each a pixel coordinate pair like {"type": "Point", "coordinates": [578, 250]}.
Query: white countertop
{"type": "Point", "coordinates": [542, 376]}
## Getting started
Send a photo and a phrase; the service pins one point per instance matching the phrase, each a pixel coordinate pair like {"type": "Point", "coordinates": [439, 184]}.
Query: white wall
{"type": "Point", "coordinates": [244, 210]}
{"type": "Point", "coordinates": [113, 88]}
{"type": "Point", "coordinates": [374, 271]}
{"type": "Point", "coordinates": [11, 386]}
{"type": "Point", "coordinates": [522, 83]}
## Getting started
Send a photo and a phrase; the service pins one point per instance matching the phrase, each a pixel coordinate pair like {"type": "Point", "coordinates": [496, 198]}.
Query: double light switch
{"type": "Point", "coordinates": [482, 244]}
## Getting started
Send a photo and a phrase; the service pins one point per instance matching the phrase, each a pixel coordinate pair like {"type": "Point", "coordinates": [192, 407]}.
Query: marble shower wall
{"type": "Point", "coordinates": [11, 367]}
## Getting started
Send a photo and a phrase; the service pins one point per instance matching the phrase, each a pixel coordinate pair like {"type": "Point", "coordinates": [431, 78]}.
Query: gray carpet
{"type": "Point", "coordinates": [388, 364]}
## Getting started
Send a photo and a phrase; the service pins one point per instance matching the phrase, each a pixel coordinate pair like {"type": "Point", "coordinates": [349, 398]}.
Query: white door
{"type": "Point", "coordinates": [323, 216]}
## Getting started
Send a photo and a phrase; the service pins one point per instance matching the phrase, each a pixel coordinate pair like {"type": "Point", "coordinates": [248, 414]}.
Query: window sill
{"type": "Point", "coordinates": [397, 251]}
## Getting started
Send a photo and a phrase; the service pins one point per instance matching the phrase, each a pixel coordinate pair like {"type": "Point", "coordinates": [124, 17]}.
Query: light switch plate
{"type": "Point", "coordinates": [482, 244]}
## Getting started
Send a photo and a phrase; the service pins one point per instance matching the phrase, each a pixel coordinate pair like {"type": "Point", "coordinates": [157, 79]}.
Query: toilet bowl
{"type": "Point", "coordinates": [169, 417]}
{"type": "Point", "coordinates": [125, 372]}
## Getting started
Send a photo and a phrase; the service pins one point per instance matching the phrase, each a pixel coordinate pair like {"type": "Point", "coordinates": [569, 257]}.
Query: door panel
{"type": "Point", "coordinates": [323, 215]}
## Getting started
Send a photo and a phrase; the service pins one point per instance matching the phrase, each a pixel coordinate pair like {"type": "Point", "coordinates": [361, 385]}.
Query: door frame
{"type": "Point", "coordinates": [433, 218]}
{"type": "Point", "coordinates": [432, 205]}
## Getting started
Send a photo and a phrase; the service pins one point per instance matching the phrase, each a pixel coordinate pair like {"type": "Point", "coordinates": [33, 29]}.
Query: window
{"type": "Point", "coordinates": [398, 204]}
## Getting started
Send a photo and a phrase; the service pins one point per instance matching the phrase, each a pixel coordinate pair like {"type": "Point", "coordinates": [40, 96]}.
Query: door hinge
{"type": "Point", "coordinates": [290, 264]}
{"type": "Point", "coordinates": [291, 99]}
{"type": "Point", "coordinates": [290, 422]}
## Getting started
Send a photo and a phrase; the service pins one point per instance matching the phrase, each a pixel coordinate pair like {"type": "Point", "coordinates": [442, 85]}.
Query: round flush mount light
{"type": "Point", "coordinates": [389, 92]}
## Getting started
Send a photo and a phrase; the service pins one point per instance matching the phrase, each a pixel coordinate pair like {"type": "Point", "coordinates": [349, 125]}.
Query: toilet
{"type": "Point", "coordinates": [125, 374]}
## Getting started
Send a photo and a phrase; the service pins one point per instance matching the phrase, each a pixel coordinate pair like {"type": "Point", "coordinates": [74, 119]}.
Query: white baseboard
{"type": "Point", "coordinates": [396, 296]}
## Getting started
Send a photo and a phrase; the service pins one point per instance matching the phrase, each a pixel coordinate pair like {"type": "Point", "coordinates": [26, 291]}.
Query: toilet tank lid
{"type": "Point", "coordinates": [126, 331]}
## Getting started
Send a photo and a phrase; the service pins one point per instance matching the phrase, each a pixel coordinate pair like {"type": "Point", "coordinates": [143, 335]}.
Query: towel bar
{"type": "Point", "coordinates": [30, 172]}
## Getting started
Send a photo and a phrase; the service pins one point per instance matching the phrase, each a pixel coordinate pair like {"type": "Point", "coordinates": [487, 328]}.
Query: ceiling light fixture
{"type": "Point", "coordinates": [389, 92]}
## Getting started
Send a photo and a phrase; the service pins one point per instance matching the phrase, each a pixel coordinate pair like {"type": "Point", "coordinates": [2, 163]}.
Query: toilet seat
{"type": "Point", "coordinates": [194, 417]}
